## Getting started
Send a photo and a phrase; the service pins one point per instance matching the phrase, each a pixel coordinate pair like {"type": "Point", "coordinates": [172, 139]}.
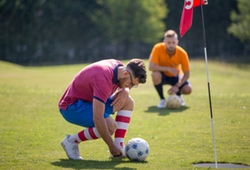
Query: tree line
{"type": "Point", "coordinates": [59, 32]}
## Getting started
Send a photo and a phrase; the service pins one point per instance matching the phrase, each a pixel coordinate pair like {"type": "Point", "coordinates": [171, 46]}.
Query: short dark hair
{"type": "Point", "coordinates": [138, 69]}
{"type": "Point", "coordinates": [170, 34]}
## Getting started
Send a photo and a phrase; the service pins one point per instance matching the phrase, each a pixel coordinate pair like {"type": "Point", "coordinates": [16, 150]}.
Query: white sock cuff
{"type": "Point", "coordinates": [126, 113]}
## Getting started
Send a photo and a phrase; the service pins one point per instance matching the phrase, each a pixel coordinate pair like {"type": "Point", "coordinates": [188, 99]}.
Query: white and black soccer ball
{"type": "Point", "coordinates": [137, 149]}
{"type": "Point", "coordinates": [173, 102]}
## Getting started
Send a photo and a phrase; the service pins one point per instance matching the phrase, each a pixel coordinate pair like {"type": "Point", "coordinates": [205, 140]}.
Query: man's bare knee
{"type": "Point", "coordinates": [186, 89]}
{"type": "Point", "coordinates": [156, 77]}
{"type": "Point", "coordinates": [129, 105]}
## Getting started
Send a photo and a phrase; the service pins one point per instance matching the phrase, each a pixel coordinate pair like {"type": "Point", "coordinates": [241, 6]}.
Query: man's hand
{"type": "Point", "coordinates": [120, 97]}
{"type": "Point", "coordinates": [173, 71]}
{"type": "Point", "coordinates": [115, 151]}
{"type": "Point", "coordinates": [173, 90]}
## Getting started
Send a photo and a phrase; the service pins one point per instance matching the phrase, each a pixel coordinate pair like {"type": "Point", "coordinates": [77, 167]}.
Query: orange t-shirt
{"type": "Point", "coordinates": [160, 57]}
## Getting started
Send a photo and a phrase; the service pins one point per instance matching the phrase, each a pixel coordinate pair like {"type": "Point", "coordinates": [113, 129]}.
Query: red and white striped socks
{"type": "Point", "coordinates": [122, 119]}
{"type": "Point", "coordinates": [87, 134]}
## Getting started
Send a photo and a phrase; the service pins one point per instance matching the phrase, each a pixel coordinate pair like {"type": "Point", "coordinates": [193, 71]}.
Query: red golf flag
{"type": "Point", "coordinates": [187, 14]}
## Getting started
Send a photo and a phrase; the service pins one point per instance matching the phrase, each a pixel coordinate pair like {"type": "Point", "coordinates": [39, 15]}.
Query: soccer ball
{"type": "Point", "coordinates": [137, 149]}
{"type": "Point", "coordinates": [173, 102]}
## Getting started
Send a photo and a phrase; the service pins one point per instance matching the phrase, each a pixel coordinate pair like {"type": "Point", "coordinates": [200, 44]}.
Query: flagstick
{"type": "Point", "coordinates": [208, 85]}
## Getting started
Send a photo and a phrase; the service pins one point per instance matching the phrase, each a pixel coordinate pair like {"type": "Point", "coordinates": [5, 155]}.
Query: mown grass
{"type": "Point", "coordinates": [32, 128]}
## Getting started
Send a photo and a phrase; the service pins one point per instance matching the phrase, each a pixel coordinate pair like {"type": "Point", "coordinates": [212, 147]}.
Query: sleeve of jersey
{"type": "Point", "coordinates": [153, 55]}
{"type": "Point", "coordinates": [185, 63]}
{"type": "Point", "coordinates": [101, 90]}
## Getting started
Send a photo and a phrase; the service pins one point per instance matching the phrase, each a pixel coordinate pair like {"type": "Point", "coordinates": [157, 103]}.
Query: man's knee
{"type": "Point", "coordinates": [129, 104]}
{"type": "Point", "coordinates": [187, 89]}
{"type": "Point", "coordinates": [156, 77]}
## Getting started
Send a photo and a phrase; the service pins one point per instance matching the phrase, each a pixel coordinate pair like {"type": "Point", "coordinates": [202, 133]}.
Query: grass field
{"type": "Point", "coordinates": [32, 128]}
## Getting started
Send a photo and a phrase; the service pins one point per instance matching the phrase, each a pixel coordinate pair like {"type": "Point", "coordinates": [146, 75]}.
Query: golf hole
{"type": "Point", "coordinates": [221, 165]}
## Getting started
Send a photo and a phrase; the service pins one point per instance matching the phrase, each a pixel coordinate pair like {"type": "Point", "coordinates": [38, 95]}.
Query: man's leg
{"type": "Point", "coordinates": [159, 89]}
{"type": "Point", "coordinates": [157, 81]}
{"type": "Point", "coordinates": [186, 88]}
{"type": "Point", "coordinates": [70, 142]}
{"type": "Point", "coordinates": [122, 119]}
{"type": "Point", "coordinates": [75, 115]}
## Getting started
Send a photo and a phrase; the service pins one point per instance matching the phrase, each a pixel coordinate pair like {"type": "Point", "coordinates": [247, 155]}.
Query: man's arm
{"type": "Point", "coordinates": [183, 79]}
{"type": "Point", "coordinates": [155, 67]}
{"type": "Point", "coordinates": [102, 128]}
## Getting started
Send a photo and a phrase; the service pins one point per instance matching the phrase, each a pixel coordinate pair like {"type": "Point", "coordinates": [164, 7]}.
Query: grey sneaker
{"type": "Point", "coordinates": [71, 149]}
{"type": "Point", "coordinates": [162, 104]}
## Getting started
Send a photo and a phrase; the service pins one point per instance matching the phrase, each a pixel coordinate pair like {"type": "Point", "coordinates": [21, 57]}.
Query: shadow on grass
{"type": "Point", "coordinates": [220, 165]}
{"type": "Point", "coordinates": [93, 164]}
{"type": "Point", "coordinates": [165, 111]}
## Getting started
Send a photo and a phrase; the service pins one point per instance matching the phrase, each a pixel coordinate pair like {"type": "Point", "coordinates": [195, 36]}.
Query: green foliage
{"type": "Point", "coordinates": [241, 21]}
{"type": "Point", "coordinates": [42, 31]}
{"type": "Point", "coordinates": [56, 32]}
{"type": "Point", "coordinates": [131, 20]}
{"type": "Point", "coordinates": [32, 127]}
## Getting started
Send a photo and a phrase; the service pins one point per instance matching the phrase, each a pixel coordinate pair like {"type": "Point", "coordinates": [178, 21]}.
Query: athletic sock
{"type": "Point", "coordinates": [122, 119]}
{"type": "Point", "coordinates": [159, 90]}
{"type": "Point", "coordinates": [87, 134]}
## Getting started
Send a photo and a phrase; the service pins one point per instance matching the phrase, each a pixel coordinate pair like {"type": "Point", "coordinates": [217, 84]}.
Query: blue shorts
{"type": "Point", "coordinates": [171, 80]}
{"type": "Point", "coordinates": [81, 113]}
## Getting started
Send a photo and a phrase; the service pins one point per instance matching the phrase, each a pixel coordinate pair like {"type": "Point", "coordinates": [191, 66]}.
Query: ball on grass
{"type": "Point", "coordinates": [173, 102]}
{"type": "Point", "coordinates": [137, 149]}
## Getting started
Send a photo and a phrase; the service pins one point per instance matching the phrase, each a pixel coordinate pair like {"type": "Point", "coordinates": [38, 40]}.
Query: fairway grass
{"type": "Point", "coordinates": [32, 128]}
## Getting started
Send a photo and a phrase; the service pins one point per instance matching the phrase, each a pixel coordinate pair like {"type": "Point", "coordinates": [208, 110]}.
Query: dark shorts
{"type": "Point", "coordinates": [171, 80]}
{"type": "Point", "coordinates": [81, 113]}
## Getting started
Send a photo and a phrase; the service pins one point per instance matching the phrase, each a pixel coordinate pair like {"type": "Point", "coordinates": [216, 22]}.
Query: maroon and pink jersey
{"type": "Point", "coordinates": [97, 80]}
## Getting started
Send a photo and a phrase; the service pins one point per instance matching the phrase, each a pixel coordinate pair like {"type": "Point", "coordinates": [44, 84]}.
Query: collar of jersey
{"type": "Point", "coordinates": [115, 71]}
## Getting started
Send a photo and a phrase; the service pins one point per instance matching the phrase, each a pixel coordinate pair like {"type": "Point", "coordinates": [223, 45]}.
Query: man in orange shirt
{"type": "Point", "coordinates": [169, 64]}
